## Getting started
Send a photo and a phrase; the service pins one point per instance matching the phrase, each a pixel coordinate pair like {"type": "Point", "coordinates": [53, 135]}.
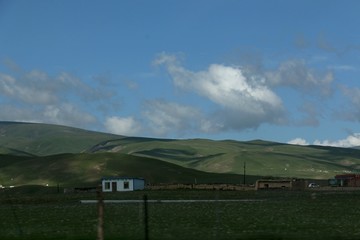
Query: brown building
{"type": "Point", "coordinates": [286, 183]}
{"type": "Point", "coordinates": [348, 180]}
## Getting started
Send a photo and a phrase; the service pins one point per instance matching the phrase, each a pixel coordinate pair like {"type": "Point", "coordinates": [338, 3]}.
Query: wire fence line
{"type": "Point", "coordinates": [119, 219]}
{"type": "Point", "coordinates": [144, 210]}
{"type": "Point", "coordinates": [172, 201]}
{"type": "Point", "coordinates": [211, 215]}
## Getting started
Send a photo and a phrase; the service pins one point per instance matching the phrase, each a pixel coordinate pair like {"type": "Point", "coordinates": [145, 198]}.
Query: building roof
{"type": "Point", "coordinates": [122, 178]}
{"type": "Point", "coordinates": [347, 176]}
{"type": "Point", "coordinates": [279, 180]}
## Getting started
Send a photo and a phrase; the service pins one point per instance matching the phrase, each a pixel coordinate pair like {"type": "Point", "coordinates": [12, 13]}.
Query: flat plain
{"type": "Point", "coordinates": [43, 213]}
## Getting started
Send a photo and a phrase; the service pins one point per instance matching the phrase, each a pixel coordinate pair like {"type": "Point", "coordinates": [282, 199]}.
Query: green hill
{"type": "Point", "coordinates": [14, 152]}
{"type": "Point", "coordinates": [86, 169]}
{"type": "Point", "coordinates": [42, 153]}
{"type": "Point", "coordinates": [47, 139]}
{"type": "Point", "coordinates": [261, 157]}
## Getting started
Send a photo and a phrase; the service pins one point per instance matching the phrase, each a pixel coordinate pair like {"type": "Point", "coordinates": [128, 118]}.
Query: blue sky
{"type": "Point", "coordinates": [285, 71]}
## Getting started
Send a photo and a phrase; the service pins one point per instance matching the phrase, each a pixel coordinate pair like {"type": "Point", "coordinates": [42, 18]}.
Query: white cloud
{"type": "Point", "coordinates": [131, 85]}
{"type": "Point", "coordinates": [351, 141]}
{"type": "Point", "coordinates": [37, 87]}
{"type": "Point", "coordinates": [61, 99]}
{"type": "Point", "coordinates": [312, 87]}
{"type": "Point", "coordinates": [351, 110]}
{"type": "Point", "coordinates": [165, 117]}
{"type": "Point", "coordinates": [342, 68]}
{"type": "Point", "coordinates": [31, 91]}
{"type": "Point", "coordinates": [298, 141]}
{"type": "Point", "coordinates": [67, 114]}
{"type": "Point", "coordinates": [14, 113]}
{"type": "Point", "coordinates": [63, 114]}
{"type": "Point", "coordinates": [167, 59]}
{"type": "Point", "coordinates": [311, 113]}
{"type": "Point", "coordinates": [123, 126]}
{"type": "Point", "coordinates": [246, 98]}
{"type": "Point", "coordinates": [243, 101]}
{"type": "Point", "coordinates": [353, 94]}
{"type": "Point", "coordinates": [296, 74]}
{"type": "Point", "coordinates": [324, 44]}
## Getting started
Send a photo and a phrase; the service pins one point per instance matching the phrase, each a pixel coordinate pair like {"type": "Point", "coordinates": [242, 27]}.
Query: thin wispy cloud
{"type": "Point", "coordinates": [342, 68]}
{"type": "Point", "coordinates": [61, 99]}
{"type": "Point", "coordinates": [350, 111]}
{"type": "Point", "coordinates": [325, 44]}
{"type": "Point", "coordinates": [297, 75]}
{"type": "Point", "coordinates": [164, 117]}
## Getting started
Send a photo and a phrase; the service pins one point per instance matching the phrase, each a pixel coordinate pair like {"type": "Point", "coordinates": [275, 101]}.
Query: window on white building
{"type": "Point", "coordinates": [107, 186]}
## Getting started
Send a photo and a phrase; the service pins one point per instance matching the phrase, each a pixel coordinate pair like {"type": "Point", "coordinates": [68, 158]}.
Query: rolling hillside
{"type": "Point", "coordinates": [47, 139]}
{"type": "Point", "coordinates": [261, 157]}
{"type": "Point", "coordinates": [86, 169]}
{"type": "Point", "coordinates": [42, 153]}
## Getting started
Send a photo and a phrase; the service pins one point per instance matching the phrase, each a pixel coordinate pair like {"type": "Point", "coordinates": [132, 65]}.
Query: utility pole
{"type": "Point", "coordinates": [100, 227]}
{"type": "Point", "coordinates": [146, 218]}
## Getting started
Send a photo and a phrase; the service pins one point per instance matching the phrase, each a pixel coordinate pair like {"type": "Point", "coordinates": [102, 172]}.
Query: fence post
{"type": "Point", "coordinates": [100, 227]}
{"type": "Point", "coordinates": [146, 222]}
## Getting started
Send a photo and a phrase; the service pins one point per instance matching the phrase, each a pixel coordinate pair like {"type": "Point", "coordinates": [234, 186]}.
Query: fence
{"type": "Point", "coordinates": [210, 215]}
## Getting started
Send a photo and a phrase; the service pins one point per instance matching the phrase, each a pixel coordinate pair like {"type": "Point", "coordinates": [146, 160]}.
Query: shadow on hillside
{"type": "Point", "coordinates": [113, 143]}
{"type": "Point", "coordinates": [176, 154]}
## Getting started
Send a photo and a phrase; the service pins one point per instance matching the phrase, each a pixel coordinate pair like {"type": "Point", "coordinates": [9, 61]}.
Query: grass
{"type": "Point", "coordinates": [262, 158]}
{"type": "Point", "coordinates": [45, 214]}
{"type": "Point", "coordinates": [47, 139]}
{"type": "Point", "coordinates": [85, 169]}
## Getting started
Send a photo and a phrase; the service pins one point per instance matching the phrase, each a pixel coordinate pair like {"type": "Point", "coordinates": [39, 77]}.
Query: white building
{"type": "Point", "coordinates": [122, 184]}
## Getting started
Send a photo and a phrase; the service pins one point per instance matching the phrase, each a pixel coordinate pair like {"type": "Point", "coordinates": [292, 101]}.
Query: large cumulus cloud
{"type": "Point", "coordinates": [242, 101]}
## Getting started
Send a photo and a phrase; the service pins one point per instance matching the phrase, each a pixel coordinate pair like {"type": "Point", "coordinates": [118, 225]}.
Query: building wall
{"type": "Point", "coordinates": [139, 184]}
{"type": "Point", "coordinates": [347, 180]}
{"type": "Point", "coordinates": [272, 184]}
{"type": "Point", "coordinates": [293, 184]}
{"type": "Point", "coordinates": [354, 182]}
{"type": "Point", "coordinates": [122, 184]}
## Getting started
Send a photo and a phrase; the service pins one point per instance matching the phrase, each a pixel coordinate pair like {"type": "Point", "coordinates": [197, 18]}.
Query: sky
{"type": "Point", "coordinates": [281, 70]}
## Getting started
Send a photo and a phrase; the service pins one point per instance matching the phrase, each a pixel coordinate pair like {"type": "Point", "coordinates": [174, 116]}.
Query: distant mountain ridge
{"type": "Point", "coordinates": [37, 146]}
{"type": "Point", "coordinates": [47, 139]}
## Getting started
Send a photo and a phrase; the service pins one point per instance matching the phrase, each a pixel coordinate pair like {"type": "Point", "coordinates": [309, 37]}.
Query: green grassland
{"type": "Point", "coordinates": [46, 139]}
{"type": "Point", "coordinates": [49, 154]}
{"type": "Point", "coordinates": [33, 213]}
{"type": "Point", "coordinates": [261, 157]}
{"type": "Point", "coordinates": [87, 169]}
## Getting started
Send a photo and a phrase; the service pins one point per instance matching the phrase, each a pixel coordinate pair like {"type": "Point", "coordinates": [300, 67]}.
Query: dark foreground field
{"type": "Point", "coordinates": [46, 214]}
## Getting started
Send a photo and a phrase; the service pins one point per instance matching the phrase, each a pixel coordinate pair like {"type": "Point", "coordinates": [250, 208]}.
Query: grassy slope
{"type": "Point", "coordinates": [13, 152]}
{"type": "Point", "coordinates": [87, 169]}
{"type": "Point", "coordinates": [261, 157]}
{"type": "Point", "coordinates": [46, 139]}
